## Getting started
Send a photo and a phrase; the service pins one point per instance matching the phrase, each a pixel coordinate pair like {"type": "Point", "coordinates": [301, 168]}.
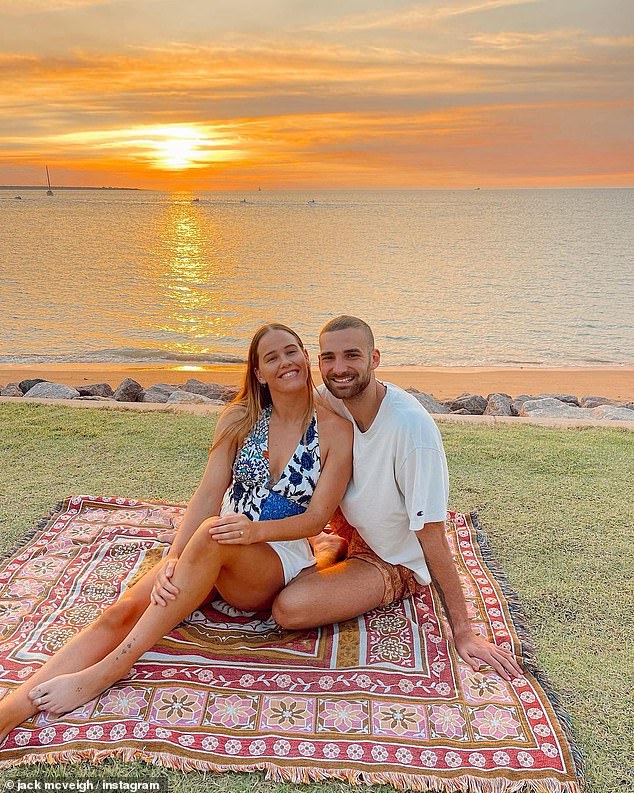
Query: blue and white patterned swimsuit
{"type": "Point", "coordinates": [252, 493]}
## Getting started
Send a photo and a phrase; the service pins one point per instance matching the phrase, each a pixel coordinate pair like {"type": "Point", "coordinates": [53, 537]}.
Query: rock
{"type": "Point", "coordinates": [430, 404]}
{"type": "Point", "coordinates": [499, 405]}
{"type": "Point", "coordinates": [551, 408]}
{"type": "Point", "coordinates": [26, 385]}
{"type": "Point", "coordinates": [158, 393]}
{"type": "Point", "coordinates": [230, 393]}
{"type": "Point", "coordinates": [518, 402]}
{"type": "Point", "coordinates": [210, 390]}
{"type": "Point", "coordinates": [179, 397]}
{"type": "Point", "coordinates": [613, 413]}
{"type": "Point", "coordinates": [128, 391]}
{"type": "Point", "coordinates": [595, 401]}
{"type": "Point", "coordinates": [94, 399]}
{"type": "Point", "coordinates": [46, 390]}
{"type": "Point", "coordinates": [11, 390]}
{"type": "Point", "coordinates": [569, 399]}
{"type": "Point", "coordinates": [472, 403]}
{"type": "Point", "coordinates": [96, 389]}
{"type": "Point", "coordinates": [461, 412]}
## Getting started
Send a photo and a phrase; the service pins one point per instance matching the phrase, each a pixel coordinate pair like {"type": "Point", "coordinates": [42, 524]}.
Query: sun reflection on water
{"type": "Point", "coordinates": [194, 279]}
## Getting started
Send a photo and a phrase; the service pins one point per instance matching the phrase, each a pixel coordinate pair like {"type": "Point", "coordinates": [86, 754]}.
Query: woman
{"type": "Point", "coordinates": [243, 533]}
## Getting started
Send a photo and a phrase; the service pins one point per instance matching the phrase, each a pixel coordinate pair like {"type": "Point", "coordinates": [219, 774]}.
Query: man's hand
{"type": "Point", "coordinates": [234, 529]}
{"type": "Point", "coordinates": [167, 536]}
{"type": "Point", "coordinates": [163, 589]}
{"type": "Point", "coordinates": [477, 651]}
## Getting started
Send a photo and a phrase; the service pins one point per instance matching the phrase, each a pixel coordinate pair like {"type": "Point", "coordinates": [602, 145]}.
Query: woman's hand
{"type": "Point", "coordinates": [163, 589]}
{"type": "Point", "coordinates": [234, 529]}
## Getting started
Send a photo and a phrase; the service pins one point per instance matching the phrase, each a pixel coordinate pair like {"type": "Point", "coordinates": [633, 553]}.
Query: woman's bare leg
{"type": "Point", "coordinates": [199, 568]}
{"type": "Point", "coordinates": [87, 647]}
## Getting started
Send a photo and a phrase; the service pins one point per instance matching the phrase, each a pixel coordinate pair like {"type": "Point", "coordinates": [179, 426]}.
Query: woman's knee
{"type": "Point", "coordinates": [201, 546]}
{"type": "Point", "coordinates": [201, 540]}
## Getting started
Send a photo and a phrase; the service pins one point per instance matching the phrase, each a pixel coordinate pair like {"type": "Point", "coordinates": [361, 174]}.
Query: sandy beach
{"type": "Point", "coordinates": [442, 382]}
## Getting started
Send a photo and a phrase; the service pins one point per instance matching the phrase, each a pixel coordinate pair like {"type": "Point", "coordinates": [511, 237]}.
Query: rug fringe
{"type": "Point", "coordinates": [421, 783]}
{"type": "Point", "coordinates": [40, 526]}
{"type": "Point", "coordinates": [527, 648]}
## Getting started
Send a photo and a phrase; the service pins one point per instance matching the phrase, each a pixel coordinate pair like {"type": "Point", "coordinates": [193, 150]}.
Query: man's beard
{"type": "Point", "coordinates": [350, 390]}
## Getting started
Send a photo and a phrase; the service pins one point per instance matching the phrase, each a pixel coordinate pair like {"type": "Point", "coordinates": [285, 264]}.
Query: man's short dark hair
{"type": "Point", "coordinates": [345, 322]}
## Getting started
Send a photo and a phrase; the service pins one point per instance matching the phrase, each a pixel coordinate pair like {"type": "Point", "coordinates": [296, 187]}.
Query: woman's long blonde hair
{"type": "Point", "coordinates": [253, 396]}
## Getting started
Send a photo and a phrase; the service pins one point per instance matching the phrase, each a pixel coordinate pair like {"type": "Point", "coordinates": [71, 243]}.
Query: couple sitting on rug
{"type": "Point", "coordinates": [263, 494]}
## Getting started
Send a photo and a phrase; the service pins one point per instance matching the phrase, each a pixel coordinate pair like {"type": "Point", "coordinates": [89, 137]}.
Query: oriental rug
{"type": "Point", "coordinates": [378, 699]}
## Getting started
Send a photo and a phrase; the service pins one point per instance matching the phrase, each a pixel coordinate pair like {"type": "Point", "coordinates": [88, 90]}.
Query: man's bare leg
{"type": "Point", "coordinates": [334, 594]}
{"type": "Point", "coordinates": [202, 564]}
{"type": "Point", "coordinates": [85, 648]}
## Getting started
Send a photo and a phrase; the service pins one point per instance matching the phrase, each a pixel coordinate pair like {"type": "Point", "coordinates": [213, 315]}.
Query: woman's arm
{"type": "Point", "coordinates": [205, 502]}
{"type": "Point", "coordinates": [207, 497]}
{"type": "Point", "coordinates": [335, 441]}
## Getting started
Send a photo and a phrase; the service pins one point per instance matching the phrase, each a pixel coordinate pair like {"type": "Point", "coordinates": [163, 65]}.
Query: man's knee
{"type": "Point", "coordinates": [291, 609]}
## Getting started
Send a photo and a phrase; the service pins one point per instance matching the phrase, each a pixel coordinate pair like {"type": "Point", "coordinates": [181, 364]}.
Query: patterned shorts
{"type": "Point", "coordinates": [399, 581]}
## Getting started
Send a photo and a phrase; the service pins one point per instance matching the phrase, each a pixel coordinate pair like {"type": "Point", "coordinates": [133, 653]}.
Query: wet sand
{"type": "Point", "coordinates": [442, 382]}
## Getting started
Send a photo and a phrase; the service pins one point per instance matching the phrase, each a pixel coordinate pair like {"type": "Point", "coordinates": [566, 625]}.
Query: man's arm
{"type": "Point", "coordinates": [474, 649]}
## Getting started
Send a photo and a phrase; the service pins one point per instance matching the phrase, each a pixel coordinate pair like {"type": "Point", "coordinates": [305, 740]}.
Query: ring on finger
{"type": "Point", "coordinates": [241, 533]}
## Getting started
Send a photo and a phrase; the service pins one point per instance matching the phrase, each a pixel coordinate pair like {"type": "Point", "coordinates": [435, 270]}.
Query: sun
{"type": "Point", "coordinates": [179, 151]}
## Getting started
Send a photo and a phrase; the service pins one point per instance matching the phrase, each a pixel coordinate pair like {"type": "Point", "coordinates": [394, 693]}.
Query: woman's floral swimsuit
{"type": "Point", "coordinates": [252, 493]}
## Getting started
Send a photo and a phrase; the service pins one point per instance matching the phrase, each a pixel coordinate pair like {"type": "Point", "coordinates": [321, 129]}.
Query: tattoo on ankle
{"type": "Point", "coordinates": [125, 650]}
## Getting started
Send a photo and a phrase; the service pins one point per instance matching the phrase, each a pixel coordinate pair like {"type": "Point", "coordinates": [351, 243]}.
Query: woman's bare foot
{"type": "Point", "coordinates": [64, 693]}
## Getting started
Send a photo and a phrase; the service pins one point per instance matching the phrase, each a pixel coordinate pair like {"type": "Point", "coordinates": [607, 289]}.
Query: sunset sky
{"type": "Point", "coordinates": [222, 94]}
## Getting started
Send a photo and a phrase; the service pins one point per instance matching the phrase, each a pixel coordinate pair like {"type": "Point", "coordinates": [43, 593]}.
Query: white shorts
{"type": "Point", "coordinates": [295, 556]}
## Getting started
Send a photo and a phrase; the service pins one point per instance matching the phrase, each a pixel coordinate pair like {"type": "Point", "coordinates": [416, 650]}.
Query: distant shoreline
{"type": "Point", "coordinates": [244, 189]}
{"type": "Point", "coordinates": [45, 187]}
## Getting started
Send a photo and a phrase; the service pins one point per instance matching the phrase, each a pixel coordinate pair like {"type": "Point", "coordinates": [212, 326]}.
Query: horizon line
{"type": "Point", "coordinates": [315, 189]}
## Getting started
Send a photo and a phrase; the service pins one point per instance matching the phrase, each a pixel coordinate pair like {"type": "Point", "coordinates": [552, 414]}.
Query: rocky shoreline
{"type": "Point", "coordinates": [196, 392]}
{"type": "Point", "coordinates": [566, 406]}
{"type": "Point", "coordinates": [193, 392]}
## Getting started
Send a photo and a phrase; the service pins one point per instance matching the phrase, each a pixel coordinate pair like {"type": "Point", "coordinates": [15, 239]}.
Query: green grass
{"type": "Point", "coordinates": [555, 503]}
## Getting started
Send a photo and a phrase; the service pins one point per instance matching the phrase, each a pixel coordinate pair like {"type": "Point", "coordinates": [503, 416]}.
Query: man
{"type": "Point", "coordinates": [396, 502]}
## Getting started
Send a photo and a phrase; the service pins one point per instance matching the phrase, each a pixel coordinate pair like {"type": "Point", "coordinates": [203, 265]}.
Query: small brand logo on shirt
{"type": "Point", "coordinates": [420, 514]}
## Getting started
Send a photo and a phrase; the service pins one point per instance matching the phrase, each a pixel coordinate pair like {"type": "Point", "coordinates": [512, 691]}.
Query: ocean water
{"type": "Point", "coordinates": [445, 277]}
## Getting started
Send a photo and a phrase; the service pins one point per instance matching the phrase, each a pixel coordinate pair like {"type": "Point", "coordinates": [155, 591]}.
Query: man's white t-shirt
{"type": "Point", "coordinates": [399, 478]}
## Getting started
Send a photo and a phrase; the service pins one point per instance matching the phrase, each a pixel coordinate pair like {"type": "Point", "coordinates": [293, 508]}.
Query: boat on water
{"type": "Point", "coordinates": [49, 192]}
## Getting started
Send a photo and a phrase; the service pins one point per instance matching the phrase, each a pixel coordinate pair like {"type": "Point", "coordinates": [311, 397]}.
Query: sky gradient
{"type": "Point", "coordinates": [285, 94]}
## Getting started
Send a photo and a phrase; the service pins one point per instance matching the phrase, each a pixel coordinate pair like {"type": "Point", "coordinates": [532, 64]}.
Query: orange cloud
{"type": "Point", "coordinates": [507, 108]}
{"type": "Point", "coordinates": [492, 145]}
{"type": "Point", "coordinates": [416, 15]}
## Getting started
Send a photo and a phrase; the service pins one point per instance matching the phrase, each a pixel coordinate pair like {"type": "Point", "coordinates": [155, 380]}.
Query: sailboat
{"type": "Point", "coordinates": [48, 179]}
